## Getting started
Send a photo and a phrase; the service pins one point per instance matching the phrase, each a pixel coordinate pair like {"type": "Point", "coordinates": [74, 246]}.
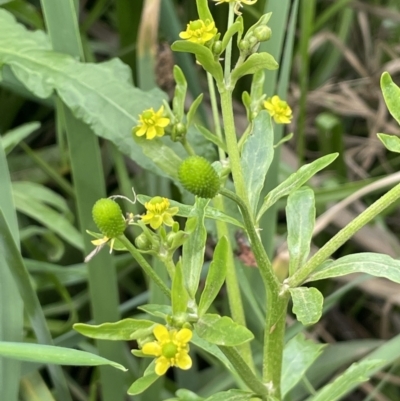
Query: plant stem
{"type": "Point", "coordinates": [232, 285]}
{"type": "Point", "coordinates": [215, 113]}
{"type": "Point", "coordinates": [228, 50]}
{"type": "Point", "coordinates": [343, 235]}
{"type": "Point", "coordinates": [144, 265]}
{"type": "Point", "coordinates": [244, 371]}
{"type": "Point", "coordinates": [276, 304]}
{"type": "Point", "coordinates": [190, 151]}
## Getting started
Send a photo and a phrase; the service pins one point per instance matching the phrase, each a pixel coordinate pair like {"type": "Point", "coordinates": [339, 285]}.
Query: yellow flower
{"type": "Point", "coordinates": [238, 4]}
{"type": "Point", "coordinates": [171, 348]}
{"type": "Point", "coordinates": [279, 110]}
{"type": "Point", "coordinates": [159, 212]}
{"type": "Point", "coordinates": [199, 31]}
{"type": "Point", "coordinates": [151, 123]}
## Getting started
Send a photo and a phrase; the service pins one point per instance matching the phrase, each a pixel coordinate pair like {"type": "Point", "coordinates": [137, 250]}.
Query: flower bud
{"type": "Point", "coordinates": [262, 33]}
{"type": "Point", "coordinates": [178, 131]}
{"type": "Point", "coordinates": [217, 48]}
{"type": "Point", "coordinates": [244, 45]}
{"type": "Point", "coordinates": [198, 176]}
{"type": "Point", "coordinates": [108, 218]}
{"type": "Point", "coordinates": [143, 243]}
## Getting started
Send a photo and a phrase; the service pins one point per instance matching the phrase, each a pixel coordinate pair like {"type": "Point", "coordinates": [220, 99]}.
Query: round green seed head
{"type": "Point", "coordinates": [108, 218]}
{"type": "Point", "coordinates": [198, 176]}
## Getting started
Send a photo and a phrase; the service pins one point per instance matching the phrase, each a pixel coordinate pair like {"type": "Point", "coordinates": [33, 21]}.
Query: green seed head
{"type": "Point", "coordinates": [108, 218]}
{"type": "Point", "coordinates": [198, 176]}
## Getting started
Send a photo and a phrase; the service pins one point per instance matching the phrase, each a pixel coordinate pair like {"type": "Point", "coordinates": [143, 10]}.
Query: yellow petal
{"type": "Point", "coordinates": [183, 360]}
{"type": "Point", "coordinates": [162, 365]}
{"type": "Point", "coordinates": [152, 348]}
{"type": "Point", "coordinates": [162, 122]}
{"type": "Point", "coordinates": [161, 333]}
{"type": "Point", "coordinates": [141, 131]}
{"type": "Point", "coordinates": [151, 132]}
{"type": "Point", "coordinates": [156, 222]}
{"type": "Point", "coordinates": [167, 219]}
{"type": "Point", "coordinates": [185, 35]}
{"type": "Point", "coordinates": [184, 335]}
{"type": "Point", "coordinates": [100, 241]}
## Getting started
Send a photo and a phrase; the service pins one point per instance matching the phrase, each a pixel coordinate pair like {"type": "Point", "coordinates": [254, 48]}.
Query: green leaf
{"type": "Point", "coordinates": [179, 295]}
{"type": "Point", "coordinates": [193, 248]}
{"type": "Point", "coordinates": [186, 210]}
{"type": "Point", "coordinates": [231, 395]}
{"type": "Point", "coordinates": [156, 310]}
{"type": "Point", "coordinates": [236, 27]}
{"type": "Point", "coordinates": [203, 10]}
{"type": "Point", "coordinates": [193, 108]}
{"type": "Point", "coordinates": [298, 355]}
{"type": "Point", "coordinates": [307, 304]}
{"type": "Point", "coordinates": [222, 331]}
{"type": "Point", "coordinates": [356, 373]}
{"type": "Point", "coordinates": [376, 264]}
{"type": "Point", "coordinates": [53, 355]}
{"type": "Point", "coordinates": [257, 155]}
{"type": "Point", "coordinates": [300, 216]}
{"type": "Point", "coordinates": [391, 142]}
{"type": "Point", "coordinates": [12, 138]}
{"type": "Point", "coordinates": [211, 137]}
{"type": "Point", "coordinates": [123, 330]}
{"type": "Point", "coordinates": [85, 88]}
{"type": "Point", "coordinates": [186, 395]}
{"type": "Point", "coordinates": [295, 181]}
{"type": "Point", "coordinates": [391, 94]}
{"type": "Point", "coordinates": [216, 276]}
{"type": "Point", "coordinates": [256, 62]}
{"type": "Point", "coordinates": [178, 102]}
{"type": "Point", "coordinates": [144, 382]}
{"type": "Point", "coordinates": [203, 55]}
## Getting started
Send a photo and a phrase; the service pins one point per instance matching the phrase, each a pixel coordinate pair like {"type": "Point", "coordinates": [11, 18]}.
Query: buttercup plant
{"type": "Point", "coordinates": [190, 319]}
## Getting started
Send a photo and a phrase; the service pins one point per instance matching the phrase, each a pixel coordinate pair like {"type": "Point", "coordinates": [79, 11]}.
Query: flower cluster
{"type": "Point", "coordinates": [159, 212]}
{"type": "Point", "coordinates": [279, 110]}
{"type": "Point", "coordinates": [199, 31]}
{"type": "Point", "coordinates": [171, 348]}
{"type": "Point", "coordinates": [151, 123]}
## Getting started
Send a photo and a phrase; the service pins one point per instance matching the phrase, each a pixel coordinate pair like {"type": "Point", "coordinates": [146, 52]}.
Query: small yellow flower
{"type": "Point", "coordinates": [199, 31]}
{"type": "Point", "coordinates": [278, 109]}
{"type": "Point", "coordinates": [151, 123]}
{"type": "Point", "coordinates": [171, 348]}
{"type": "Point", "coordinates": [238, 3]}
{"type": "Point", "coordinates": [159, 212]}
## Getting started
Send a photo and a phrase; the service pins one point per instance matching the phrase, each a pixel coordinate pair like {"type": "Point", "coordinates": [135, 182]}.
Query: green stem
{"type": "Point", "coordinates": [170, 265]}
{"type": "Point", "coordinates": [215, 113]}
{"type": "Point", "coordinates": [228, 50]}
{"type": "Point", "coordinates": [187, 147]}
{"type": "Point", "coordinates": [244, 371]}
{"type": "Point", "coordinates": [144, 265]}
{"type": "Point", "coordinates": [343, 235]}
{"type": "Point", "coordinates": [232, 284]}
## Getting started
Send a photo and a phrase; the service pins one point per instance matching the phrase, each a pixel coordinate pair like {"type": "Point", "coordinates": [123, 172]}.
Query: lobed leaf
{"type": "Point", "coordinates": [307, 304]}
{"type": "Point", "coordinates": [222, 331]}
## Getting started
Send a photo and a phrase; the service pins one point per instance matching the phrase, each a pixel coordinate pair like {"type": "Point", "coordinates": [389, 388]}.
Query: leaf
{"type": "Point", "coordinates": [144, 382]}
{"type": "Point", "coordinates": [53, 355]}
{"type": "Point", "coordinates": [256, 62]}
{"type": "Point", "coordinates": [193, 108]}
{"type": "Point", "coordinates": [391, 142]}
{"type": "Point", "coordinates": [186, 210]}
{"type": "Point", "coordinates": [307, 304]}
{"type": "Point", "coordinates": [356, 373]}
{"type": "Point", "coordinates": [298, 355]}
{"type": "Point", "coordinates": [222, 331]}
{"type": "Point", "coordinates": [231, 395]}
{"type": "Point", "coordinates": [185, 395]}
{"type": "Point", "coordinates": [156, 310]}
{"type": "Point", "coordinates": [216, 275]}
{"type": "Point", "coordinates": [12, 138]}
{"type": "Point", "coordinates": [203, 55]}
{"type": "Point", "coordinates": [236, 27]}
{"type": "Point", "coordinates": [391, 94]}
{"type": "Point", "coordinates": [193, 248]}
{"type": "Point", "coordinates": [178, 101]}
{"type": "Point", "coordinates": [179, 295]}
{"type": "Point", "coordinates": [300, 216]}
{"type": "Point", "coordinates": [295, 181]}
{"type": "Point", "coordinates": [257, 155]}
{"type": "Point", "coordinates": [99, 94]}
{"type": "Point", "coordinates": [122, 330]}
{"type": "Point", "coordinates": [211, 137]}
{"type": "Point", "coordinates": [375, 264]}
